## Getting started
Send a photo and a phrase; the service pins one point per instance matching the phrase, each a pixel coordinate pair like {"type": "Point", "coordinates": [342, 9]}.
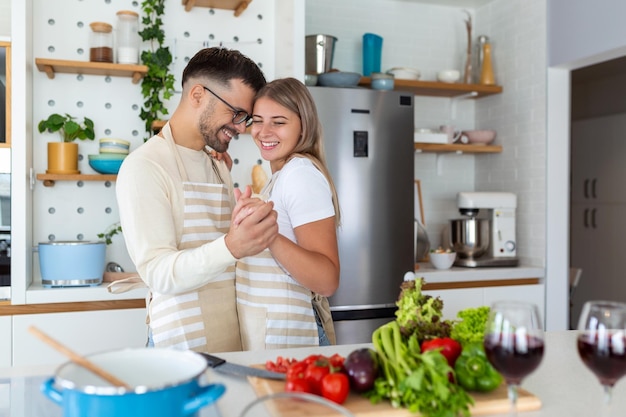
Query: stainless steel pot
{"type": "Point", "coordinates": [319, 53]}
{"type": "Point", "coordinates": [469, 237]}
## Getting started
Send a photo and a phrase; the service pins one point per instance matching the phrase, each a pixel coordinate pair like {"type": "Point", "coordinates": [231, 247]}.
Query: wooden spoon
{"type": "Point", "coordinates": [78, 359]}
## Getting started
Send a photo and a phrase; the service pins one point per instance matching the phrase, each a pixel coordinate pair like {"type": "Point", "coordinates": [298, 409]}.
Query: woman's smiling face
{"type": "Point", "coordinates": [275, 130]}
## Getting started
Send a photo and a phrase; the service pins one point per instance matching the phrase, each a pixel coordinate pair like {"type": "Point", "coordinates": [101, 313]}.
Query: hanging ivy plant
{"type": "Point", "coordinates": [158, 83]}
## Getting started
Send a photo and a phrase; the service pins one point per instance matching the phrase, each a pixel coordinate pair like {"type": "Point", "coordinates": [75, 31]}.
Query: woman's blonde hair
{"type": "Point", "coordinates": [293, 95]}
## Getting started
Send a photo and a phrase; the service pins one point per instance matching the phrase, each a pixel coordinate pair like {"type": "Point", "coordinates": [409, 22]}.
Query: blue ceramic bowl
{"type": "Point", "coordinates": [339, 79]}
{"type": "Point", "coordinates": [106, 163]}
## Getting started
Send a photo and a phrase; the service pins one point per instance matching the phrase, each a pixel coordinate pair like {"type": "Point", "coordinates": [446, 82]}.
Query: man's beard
{"type": "Point", "coordinates": [210, 134]}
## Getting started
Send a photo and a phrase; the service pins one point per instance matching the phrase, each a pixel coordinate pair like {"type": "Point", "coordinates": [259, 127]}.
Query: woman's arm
{"type": "Point", "coordinates": [314, 260]}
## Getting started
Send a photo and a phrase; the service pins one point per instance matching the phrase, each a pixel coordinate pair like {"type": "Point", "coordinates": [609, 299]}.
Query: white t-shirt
{"type": "Point", "coordinates": [301, 195]}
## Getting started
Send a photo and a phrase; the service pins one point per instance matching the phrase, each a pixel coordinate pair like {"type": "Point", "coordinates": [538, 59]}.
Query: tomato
{"type": "Point", "coordinates": [337, 362]}
{"type": "Point", "coordinates": [450, 348]}
{"type": "Point", "coordinates": [336, 387]}
{"type": "Point", "coordinates": [281, 365]}
{"type": "Point", "coordinates": [312, 358]}
{"type": "Point", "coordinates": [296, 371]}
{"type": "Point", "coordinates": [315, 372]}
{"type": "Point", "coordinates": [298, 385]}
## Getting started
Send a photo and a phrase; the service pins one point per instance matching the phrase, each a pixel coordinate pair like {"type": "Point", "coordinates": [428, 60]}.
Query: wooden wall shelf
{"type": "Point", "coordinates": [49, 179]}
{"type": "Point", "coordinates": [439, 89]}
{"type": "Point", "coordinates": [237, 5]}
{"type": "Point", "coordinates": [460, 148]}
{"type": "Point", "coordinates": [52, 66]}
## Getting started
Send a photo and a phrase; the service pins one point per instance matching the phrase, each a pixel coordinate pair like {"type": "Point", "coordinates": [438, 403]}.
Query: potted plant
{"type": "Point", "coordinates": [63, 156]}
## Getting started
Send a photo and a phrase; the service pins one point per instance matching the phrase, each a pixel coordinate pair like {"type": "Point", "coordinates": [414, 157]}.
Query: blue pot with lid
{"type": "Point", "coordinates": [71, 263]}
{"type": "Point", "coordinates": [163, 382]}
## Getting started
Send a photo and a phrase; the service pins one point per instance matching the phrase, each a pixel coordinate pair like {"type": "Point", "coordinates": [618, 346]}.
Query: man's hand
{"type": "Point", "coordinates": [257, 227]}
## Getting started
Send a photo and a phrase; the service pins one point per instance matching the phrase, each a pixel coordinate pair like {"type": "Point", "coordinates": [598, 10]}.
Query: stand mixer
{"type": "Point", "coordinates": [486, 235]}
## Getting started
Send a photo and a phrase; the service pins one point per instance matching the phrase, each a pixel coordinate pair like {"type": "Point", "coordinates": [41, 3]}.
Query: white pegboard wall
{"type": "Point", "coordinates": [73, 210]}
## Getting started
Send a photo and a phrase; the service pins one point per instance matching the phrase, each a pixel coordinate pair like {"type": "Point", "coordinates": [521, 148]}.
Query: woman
{"type": "Point", "coordinates": [275, 288]}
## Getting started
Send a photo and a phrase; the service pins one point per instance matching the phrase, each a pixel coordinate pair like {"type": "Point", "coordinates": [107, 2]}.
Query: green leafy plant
{"type": "Point", "coordinates": [67, 127]}
{"type": "Point", "coordinates": [111, 231]}
{"type": "Point", "coordinates": [158, 84]}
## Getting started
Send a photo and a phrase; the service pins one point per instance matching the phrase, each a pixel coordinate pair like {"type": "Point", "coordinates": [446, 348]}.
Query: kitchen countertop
{"type": "Point", "coordinates": [460, 274]}
{"type": "Point", "coordinates": [37, 294]}
{"type": "Point", "coordinates": [562, 383]}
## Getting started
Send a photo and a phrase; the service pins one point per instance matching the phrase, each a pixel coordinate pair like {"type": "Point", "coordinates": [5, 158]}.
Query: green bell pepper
{"type": "Point", "coordinates": [473, 370]}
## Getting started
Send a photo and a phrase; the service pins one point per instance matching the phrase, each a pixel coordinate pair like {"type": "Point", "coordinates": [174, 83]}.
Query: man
{"type": "Point", "coordinates": [177, 207]}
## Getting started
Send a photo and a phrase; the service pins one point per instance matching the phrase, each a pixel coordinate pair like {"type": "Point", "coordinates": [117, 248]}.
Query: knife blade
{"type": "Point", "coordinates": [220, 365]}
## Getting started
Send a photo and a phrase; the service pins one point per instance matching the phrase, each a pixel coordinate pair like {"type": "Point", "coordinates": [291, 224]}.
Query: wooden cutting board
{"type": "Point", "coordinates": [494, 402]}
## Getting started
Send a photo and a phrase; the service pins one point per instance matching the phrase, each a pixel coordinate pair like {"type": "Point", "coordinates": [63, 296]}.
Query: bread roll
{"type": "Point", "coordinates": [259, 179]}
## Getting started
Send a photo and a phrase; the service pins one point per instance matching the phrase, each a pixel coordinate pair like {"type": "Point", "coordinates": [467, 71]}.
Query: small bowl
{"type": "Point", "coordinates": [310, 80]}
{"type": "Point", "coordinates": [479, 137]}
{"type": "Point", "coordinates": [449, 76]}
{"type": "Point", "coordinates": [106, 163]}
{"type": "Point", "coordinates": [404, 73]}
{"type": "Point", "coordinates": [382, 81]}
{"type": "Point", "coordinates": [442, 260]}
{"type": "Point", "coordinates": [110, 145]}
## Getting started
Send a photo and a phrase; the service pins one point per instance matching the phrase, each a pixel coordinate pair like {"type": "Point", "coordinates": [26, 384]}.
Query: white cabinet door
{"type": "Point", "coordinates": [5, 345]}
{"type": "Point", "coordinates": [457, 300]}
{"type": "Point", "coordinates": [527, 293]}
{"type": "Point", "coordinates": [84, 332]}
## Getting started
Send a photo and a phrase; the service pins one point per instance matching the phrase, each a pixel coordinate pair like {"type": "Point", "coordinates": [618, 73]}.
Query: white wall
{"type": "Point", "coordinates": [585, 32]}
{"type": "Point", "coordinates": [430, 38]}
{"type": "Point", "coordinates": [5, 18]}
{"type": "Point", "coordinates": [69, 210]}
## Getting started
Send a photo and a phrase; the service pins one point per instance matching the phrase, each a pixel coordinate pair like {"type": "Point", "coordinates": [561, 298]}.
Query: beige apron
{"type": "Point", "coordinates": [205, 319]}
{"type": "Point", "coordinates": [274, 310]}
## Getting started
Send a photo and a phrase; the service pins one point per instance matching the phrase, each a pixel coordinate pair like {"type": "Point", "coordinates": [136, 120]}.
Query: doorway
{"type": "Point", "coordinates": [597, 182]}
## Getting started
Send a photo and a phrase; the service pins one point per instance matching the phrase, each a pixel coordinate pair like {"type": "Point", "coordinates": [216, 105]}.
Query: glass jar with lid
{"type": "Point", "coordinates": [127, 37]}
{"type": "Point", "coordinates": [101, 42]}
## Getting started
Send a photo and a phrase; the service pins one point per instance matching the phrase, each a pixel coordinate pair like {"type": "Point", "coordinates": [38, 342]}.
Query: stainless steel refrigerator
{"type": "Point", "coordinates": [368, 138]}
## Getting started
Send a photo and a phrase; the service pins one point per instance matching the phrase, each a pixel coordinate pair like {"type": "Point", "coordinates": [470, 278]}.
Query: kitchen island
{"type": "Point", "coordinates": [562, 383]}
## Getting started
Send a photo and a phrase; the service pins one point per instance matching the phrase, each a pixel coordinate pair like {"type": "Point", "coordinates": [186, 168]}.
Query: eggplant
{"type": "Point", "coordinates": [362, 369]}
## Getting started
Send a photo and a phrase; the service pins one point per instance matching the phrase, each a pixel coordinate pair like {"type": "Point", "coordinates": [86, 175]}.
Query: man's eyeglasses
{"type": "Point", "coordinates": [239, 116]}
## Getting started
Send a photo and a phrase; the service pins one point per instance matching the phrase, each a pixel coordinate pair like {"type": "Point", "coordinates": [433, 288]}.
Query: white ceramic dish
{"type": "Point", "coordinates": [442, 260]}
{"type": "Point", "coordinates": [449, 76]}
{"type": "Point", "coordinates": [405, 73]}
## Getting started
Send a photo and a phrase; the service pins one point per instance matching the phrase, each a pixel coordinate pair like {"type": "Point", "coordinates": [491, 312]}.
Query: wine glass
{"type": "Point", "coordinates": [602, 343]}
{"type": "Point", "coordinates": [514, 343]}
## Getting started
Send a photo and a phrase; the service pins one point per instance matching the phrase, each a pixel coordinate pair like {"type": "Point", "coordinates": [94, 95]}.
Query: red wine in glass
{"type": "Point", "coordinates": [601, 343]}
{"type": "Point", "coordinates": [515, 357]}
{"type": "Point", "coordinates": [514, 343]}
{"type": "Point", "coordinates": [606, 359]}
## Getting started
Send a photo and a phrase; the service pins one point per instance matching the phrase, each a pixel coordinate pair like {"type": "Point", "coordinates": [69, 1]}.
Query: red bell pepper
{"type": "Point", "coordinates": [450, 348]}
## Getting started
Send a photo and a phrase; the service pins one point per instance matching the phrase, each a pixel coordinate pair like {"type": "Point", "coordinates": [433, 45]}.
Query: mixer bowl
{"type": "Point", "coordinates": [469, 237]}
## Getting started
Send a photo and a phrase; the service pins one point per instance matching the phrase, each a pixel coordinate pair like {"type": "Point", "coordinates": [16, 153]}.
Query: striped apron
{"type": "Point", "coordinates": [275, 311]}
{"type": "Point", "coordinates": [204, 319]}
